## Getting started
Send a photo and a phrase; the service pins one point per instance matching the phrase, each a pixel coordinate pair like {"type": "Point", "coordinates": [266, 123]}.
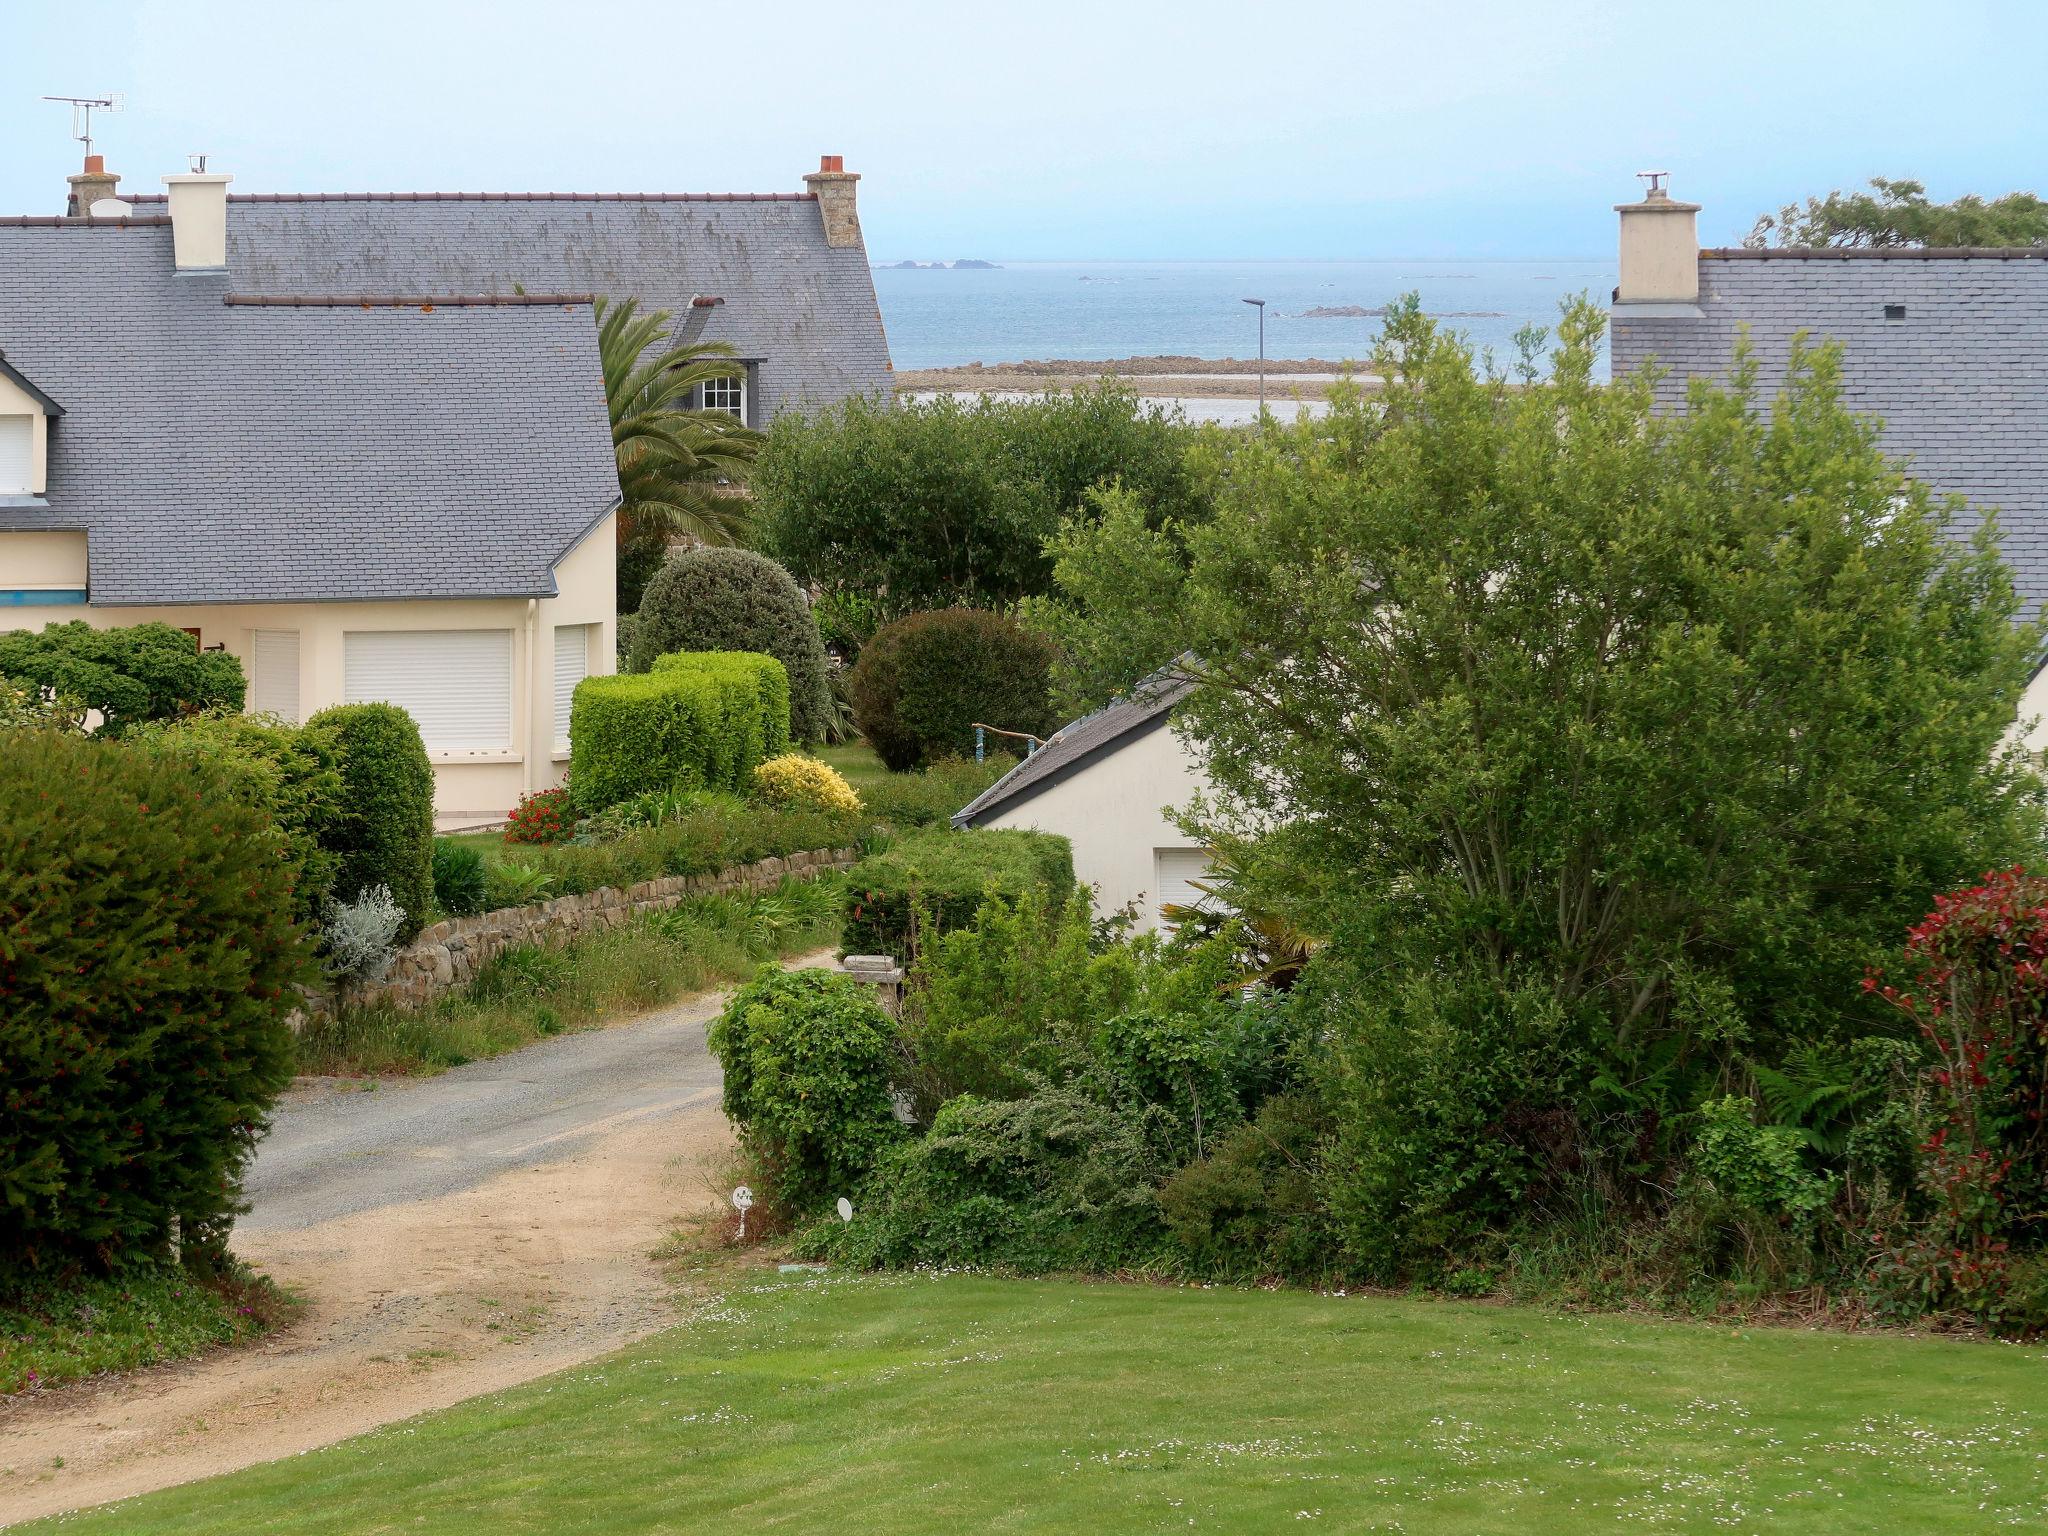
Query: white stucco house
{"type": "Point", "coordinates": [360, 441]}
{"type": "Point", "coordinates": [1105, 783]}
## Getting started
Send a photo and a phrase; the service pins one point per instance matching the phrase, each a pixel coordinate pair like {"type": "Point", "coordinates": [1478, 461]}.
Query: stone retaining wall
{"type": "Point", "coordinates": [448, 954]}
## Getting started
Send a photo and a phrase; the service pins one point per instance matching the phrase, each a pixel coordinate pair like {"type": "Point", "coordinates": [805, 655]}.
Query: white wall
{"type": "Point", "coordinates": [1112, 812]}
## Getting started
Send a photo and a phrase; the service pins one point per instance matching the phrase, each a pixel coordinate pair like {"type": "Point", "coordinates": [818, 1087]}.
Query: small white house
{"type": "Point", "coordinates": [1106, 783]}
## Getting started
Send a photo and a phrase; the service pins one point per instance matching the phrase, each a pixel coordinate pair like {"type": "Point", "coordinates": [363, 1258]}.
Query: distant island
{"type": "Point", "coordinates": [938, 266]}
{"type": "Point", "coordinates": [1378, 311]}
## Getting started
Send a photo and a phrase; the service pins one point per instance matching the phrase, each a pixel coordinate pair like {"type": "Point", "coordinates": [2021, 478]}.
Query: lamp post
{"type": "Point", "coordinates": [1260, 305]}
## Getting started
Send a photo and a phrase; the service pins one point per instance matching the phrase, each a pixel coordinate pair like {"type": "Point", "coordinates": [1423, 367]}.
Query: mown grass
{"type": "Point", "coordinates": [528, 993]}
{"type": "Point", "coordinates": [921, 1403]}
{"type": "Point", "coordinates": [54, 1331]}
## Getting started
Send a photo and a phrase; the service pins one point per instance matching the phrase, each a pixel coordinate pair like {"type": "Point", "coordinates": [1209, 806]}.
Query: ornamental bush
{"type": "Point", "coordinates": [934, 881]}
{"type": "Point", "coordinates": [924, 682]}
{"type": "Point", "coordinates": [794, 779]}
{"type": "Point", "coordinates": [146, 969]}
{"type": "Point", "coordinates": [458, 878]}
{"type": "Point", "coordinates": [806, 1057]}
{"type": "Point", "coordinates": [698, 720]}
{"type": "Point", "coordinates": [542, 816]}
{"type": "Point", "coordinates": [386, 831]}
{"type": "Point", "coordinates": [735, 600]}
{"type": "Point", "coordinates": [130, 675]}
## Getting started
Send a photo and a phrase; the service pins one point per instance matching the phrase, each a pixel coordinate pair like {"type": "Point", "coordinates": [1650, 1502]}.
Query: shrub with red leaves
{"type": "Point", "coordinates": [1976, 983]}
{"type": "Point", "coordinates": [545, 816]}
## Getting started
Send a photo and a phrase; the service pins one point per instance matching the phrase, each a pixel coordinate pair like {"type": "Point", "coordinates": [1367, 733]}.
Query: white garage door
{"type": "Point", "coordinates": [455, 683]}
{"type": "Point", "coordinates": [15, 439]}
{"type": "Point", "coordinates": [1174, 872]}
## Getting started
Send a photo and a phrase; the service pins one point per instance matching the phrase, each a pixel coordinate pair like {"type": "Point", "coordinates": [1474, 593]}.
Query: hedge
{"type": "Point", "coordinates": [699, 720]}
{"type": "Point", "coordinates": [386, 834]}
{"type": "Point", "coordinates": [149, 957]}
{"type": "Point", "coordinates": [924, 682]}
{"type": "Point", "coordinates": [133, 674]}
{"type": "Point", "coordinates": [933, 882]}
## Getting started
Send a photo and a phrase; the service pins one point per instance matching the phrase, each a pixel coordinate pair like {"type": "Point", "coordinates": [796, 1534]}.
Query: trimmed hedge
{"type": "Point", "coordinates": [386, 835]}
{"type": "Point", "coordinates": [934, 881]}
{"type": "Point", "coordinates": [922, 683]}
{"type": "Point", "coordinates": [130, 675]}
{"type": "Point", "coordinates": [149, 955]}
{"type": "Point", "coordinates": [736, 600]}
{"type": "Point", "coordinates": [699, 720]}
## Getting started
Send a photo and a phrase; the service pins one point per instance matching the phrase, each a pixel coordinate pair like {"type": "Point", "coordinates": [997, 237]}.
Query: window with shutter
{"type": "Point", "coordinates": [275, 687]}
{"type": "Point", "coordinates": [1174, 873]}
{"type": "Point", "coordinates": [17, 450]}
{"type": "Point", "coordinates": [572, 665]}
{"type": "Point", "coordinates": [455, 683]}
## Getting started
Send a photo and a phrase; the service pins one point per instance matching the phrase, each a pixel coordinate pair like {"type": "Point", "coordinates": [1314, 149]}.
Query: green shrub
{"type": "Point", "coordinates": [458, 878]}
{"type": "Point", "coordinates": [149, 955]}
{"type": "Point", "coordinates": [702, 719]}
{"type": "Point", "coordinates": [386, 833]}
{"type": "Point", "coordinates": [1055, 1181]}
{"type": "Point", "coordinates": [130, 675]}
{"type": "Point", "coordinates": [1179, 1063]}
{"type": "Point", "coordinates": [924, 682]}
{"type": "Point", "coordinates": [711, 831]}
{"type": "Point", "coordinates": [806, 1057]}
{"type": "Point", "coordinates": [932, 882]}
{"type": "Point", "coordinates": [929, 798]}
{"type": "Point", "coordinates": [1251, 1209]}
{"type": "Point", "coordinates": [735, 600]}
{"type": "Point", "coordinates": [291, 772]}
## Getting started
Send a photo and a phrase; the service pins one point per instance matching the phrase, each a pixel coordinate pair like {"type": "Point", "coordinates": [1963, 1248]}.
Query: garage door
{"type": "Point", "coordinates": [1175, 871]}
{"type": "Point", "coordinates": [455, 683]}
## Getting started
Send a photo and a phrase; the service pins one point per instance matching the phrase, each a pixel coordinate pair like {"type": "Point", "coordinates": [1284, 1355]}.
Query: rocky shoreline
{"type": "Point", "coordinates": [1203, 378]}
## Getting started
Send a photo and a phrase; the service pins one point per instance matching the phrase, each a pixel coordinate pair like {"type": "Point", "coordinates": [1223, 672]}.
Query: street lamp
{"type": "Point", "coordinates": [1260, 305]}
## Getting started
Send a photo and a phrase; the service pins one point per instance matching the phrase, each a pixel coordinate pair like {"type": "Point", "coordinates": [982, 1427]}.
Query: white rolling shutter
{"type": "Point", "coordinates": [572, 665]}
{"type": "Point", "coordinates": [455, 683]}
{"type": "Point", "coordinates": [1174, 872]}
{"type": "Point", "coordinates": [17, 436]}
{"type": "Point", "coordinates": [276, 688]}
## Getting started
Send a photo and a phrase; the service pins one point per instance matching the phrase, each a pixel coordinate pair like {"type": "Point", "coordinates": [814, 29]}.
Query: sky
{"type": "Point", "coordinates": [1117, 129]}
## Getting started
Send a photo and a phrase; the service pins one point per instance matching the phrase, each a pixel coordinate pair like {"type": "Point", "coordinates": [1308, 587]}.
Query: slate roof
{"type": "Point", "coordinates": [220, 452]}
{"type": "Point", "coordinates": [804, 310]}
{"type": "Point", "coordinates": [1961, 380]}
{"type": "Point", "coordinates": [1074, 747]}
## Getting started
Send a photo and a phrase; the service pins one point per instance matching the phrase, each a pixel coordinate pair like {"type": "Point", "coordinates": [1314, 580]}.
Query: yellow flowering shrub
{"type": "Point", "coordinates": [793, 779]}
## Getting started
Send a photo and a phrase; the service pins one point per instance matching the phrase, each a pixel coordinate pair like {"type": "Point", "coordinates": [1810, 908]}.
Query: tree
{"type": "Point", "coordinates": [939, 503]}
{"type": "Point", "coordinates": [134, 674]}
{"type": "Point", "coordinates": [679, 467]}
{"type": "Point", "coordinates": [1619, 745]}
{"type": "Point", "coordinates": [1900, 215]}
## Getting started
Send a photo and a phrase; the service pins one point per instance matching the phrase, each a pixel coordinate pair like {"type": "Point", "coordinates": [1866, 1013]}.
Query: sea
{"type": "Point", "coordinates": [1093, 310]}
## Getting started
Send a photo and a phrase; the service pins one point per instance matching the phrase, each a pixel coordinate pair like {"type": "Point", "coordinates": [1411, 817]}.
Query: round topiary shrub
{"type": "Point", "coordinates": [736, 600]}
{"type": "Point", "coordinates": [796, 780]}
{"type": "Point", "coordinates": [386, 831]}
{"type": "Point", "coordinates": [924, 681]}
{"type": "Point", "coordinates": [145, 979]}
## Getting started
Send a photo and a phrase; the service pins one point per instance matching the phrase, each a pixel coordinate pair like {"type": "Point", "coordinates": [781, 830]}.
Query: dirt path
{"type": "Point", "coordinates": [452, 1237]}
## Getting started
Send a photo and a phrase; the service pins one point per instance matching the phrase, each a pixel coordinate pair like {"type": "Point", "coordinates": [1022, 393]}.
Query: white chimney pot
{"type": "Point", "coordinates": [199, 221]}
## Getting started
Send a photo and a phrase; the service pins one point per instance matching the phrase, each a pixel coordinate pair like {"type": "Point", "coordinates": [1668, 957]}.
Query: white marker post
{"type": "Point", "coordinates": [742, 1201]}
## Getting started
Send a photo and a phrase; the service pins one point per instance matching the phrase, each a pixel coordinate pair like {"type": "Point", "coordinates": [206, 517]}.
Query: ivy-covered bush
{"type": "Point", "coordinates": [924, 682]}
{"type": "Point", "coordinates": [794, 779]}
{"type": "Point", "coordinates": [806, 1057]}
{"type": "Point", "coordinates": [136, 673]}
{"type": "Point", "coordinates": [458, 878]}
{"type": "Point", "coordinates": [386, 831]}
{"type": "Point", "coordinates": [149, 954]}
{"type": "Point", "coordinates": [292, 772]}
{"type": "Point", "coordinates": [932, 882]}
{"type": "Point", "coordinates": [709, 599]}
{"type": "Point", "coordinates": [698, 720]}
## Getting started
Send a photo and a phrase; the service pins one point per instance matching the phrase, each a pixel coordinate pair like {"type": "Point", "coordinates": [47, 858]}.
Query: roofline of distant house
{"type": "Point", "coordinates": [502, 197]}
{"type": "Point", "coordinates": [400, 301]}
{"type": "Point", "coordinates": [64, 221]}
{"type": "Point", "coordinates": [1876, 253]}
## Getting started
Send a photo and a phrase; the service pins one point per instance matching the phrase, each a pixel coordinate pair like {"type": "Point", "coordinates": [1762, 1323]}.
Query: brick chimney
{"type": "Point", "coordinates": [90, 186]}
{"type": "Point", "coordinates": [832, 184]}
{"type": "Point", "coordinates": [199, 220]}
{"type": "Point", "coordinates": [1660, 248]}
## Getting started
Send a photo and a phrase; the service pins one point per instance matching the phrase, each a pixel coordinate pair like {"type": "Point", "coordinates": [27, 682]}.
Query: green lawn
{"type": "Point", "coordinates": [820, 1403]}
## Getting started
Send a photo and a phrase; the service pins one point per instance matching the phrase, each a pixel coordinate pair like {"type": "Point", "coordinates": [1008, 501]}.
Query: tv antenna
{"type": "Point", "coordinates": [81, 113]}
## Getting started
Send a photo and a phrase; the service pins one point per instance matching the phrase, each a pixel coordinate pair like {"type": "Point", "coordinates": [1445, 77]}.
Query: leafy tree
{"type": "Point", "coordinates": [925, 681]}
{"type": "Point", "coordinates": [130, 675]}
{"type": "Point", "coordinates": [1628, 741]}
{"type": "Point", "coordinates": [938, 503]}
{"type": "Point", "coordinates": [1899, 214]}
{"type": "Point", "coordinates": [679, 467]}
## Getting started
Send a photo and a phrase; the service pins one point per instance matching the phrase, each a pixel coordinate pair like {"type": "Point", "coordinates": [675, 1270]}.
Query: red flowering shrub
{"type": "Point", "coordinates": [545, 816]}
{"type": "Point", "coordinates": [1977, 986]}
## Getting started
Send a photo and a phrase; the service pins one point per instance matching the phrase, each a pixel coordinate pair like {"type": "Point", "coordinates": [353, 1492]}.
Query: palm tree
{"type": "Point", "coordinates": [680, 468]}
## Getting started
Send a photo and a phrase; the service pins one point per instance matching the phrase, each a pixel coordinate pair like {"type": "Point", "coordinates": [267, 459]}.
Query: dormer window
{"type": "Point", "coordinates": [728, 395]}
{"type": "Point", "coordinates": [17, 454]}
{"type": "Point", "coordinates": [25, 413]}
